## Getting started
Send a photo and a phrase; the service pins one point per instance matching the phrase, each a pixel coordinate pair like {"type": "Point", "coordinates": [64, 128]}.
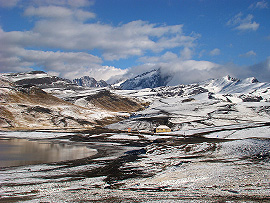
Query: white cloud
{"type": "Point", "coordinates": [15, 58]}
{"type": "Point", "coordinates": [248, 54]}
{"type": "Point", "coordinates": [98, 72]}
{"type": "Point", "coordinates": [71, 3]}
{"type": "Point", "coordinates": [64, 64]}
{"type": "Point", "coordinates": [61, 25]}
{"type": "Point", "coordinates": [182, 70]}
{"type": "Point", "coordinates": [57, 12]}
{"type": "Point", "coordinates": [191, 71]}
{"type": "Point", "coordinates": [215, 52]}
{"type": "Point", "coordinates": [186, 53]}
{"type": "Point", "coordinates": [260, 5]}
{"type": "Point", "coordinates": [84, 15]}
{"type": "Point", "coordinates": [243, 23]}
{"type": "Point", "coordinates": [48, 12]}
{"type": "Point", "coordinates": [8, 3]}
{"type": "Point", "coordinates": [115, 42]}
{"type": "Point", "coordinates": [167, 57]}
{"type": "Point", "coordinates": [202, 52]}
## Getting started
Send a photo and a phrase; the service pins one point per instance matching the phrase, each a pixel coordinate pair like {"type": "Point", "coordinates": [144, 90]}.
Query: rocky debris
{"type": "Point", "coordinates": [251, 98]}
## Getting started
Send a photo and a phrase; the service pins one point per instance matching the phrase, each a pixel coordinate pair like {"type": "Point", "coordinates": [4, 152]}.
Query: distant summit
{"type": "Point", "coordinates": [229, 84]}
{"type": "Point", "coordinates": [87, 81]}
{"type": "Point", "coordinates": [149, 79]}
{"type": "Point", "coordinates": [37, 78]}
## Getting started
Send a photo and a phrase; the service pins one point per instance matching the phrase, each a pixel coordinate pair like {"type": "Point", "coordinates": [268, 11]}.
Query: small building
{"type": "Point", "coordinates": [162, 129]}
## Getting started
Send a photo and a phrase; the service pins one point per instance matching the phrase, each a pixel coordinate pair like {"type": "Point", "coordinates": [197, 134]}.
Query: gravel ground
{"type": "Point", "coordinates": [193, 169]}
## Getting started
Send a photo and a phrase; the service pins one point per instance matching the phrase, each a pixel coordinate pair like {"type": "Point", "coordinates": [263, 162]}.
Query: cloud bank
{"type": "Point", "coordinates": [64, 26]}
{"type": "Point", "coordinates": [65, 38]}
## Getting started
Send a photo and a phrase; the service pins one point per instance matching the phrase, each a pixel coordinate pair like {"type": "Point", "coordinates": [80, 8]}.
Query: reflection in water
{"type": "Point", "coordinates": [17, 152]}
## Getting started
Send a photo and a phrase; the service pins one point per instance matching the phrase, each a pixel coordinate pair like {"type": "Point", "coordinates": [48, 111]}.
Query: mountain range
{"type": "Point", "coordinates": [36, 100]}
{"type": "Point", "coordinates": [33, 100]}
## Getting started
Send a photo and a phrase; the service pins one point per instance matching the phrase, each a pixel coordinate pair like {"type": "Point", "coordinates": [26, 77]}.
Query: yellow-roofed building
{"type": "Point", "coordinates": [162, 129]}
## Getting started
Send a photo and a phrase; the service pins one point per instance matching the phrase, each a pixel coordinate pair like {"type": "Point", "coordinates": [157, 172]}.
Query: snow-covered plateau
{"type": "Point", "coordinates": [218, 149]}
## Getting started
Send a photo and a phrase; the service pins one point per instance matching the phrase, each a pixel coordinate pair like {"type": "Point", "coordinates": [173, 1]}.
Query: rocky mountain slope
{"type": "Point", "coordinates": [216, 102]}
{"type": "Point", "coordinates": [37, 78]}
{"type": "Point", "coordinates": [149, 79]}
{"type": "Point", "coordinates": [28, 107]}
{"type": "Point", "coordinates": [212, 103]}
{"type": "Point", "coordinates": [87, 81]}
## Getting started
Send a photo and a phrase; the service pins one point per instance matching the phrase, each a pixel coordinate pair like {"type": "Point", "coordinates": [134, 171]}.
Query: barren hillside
{"type": "Point", "coordinates": [29, 108]}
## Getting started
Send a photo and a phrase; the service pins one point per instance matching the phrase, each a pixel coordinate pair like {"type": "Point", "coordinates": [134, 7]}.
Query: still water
{"type": "Point", "coordinates": [18, 152]}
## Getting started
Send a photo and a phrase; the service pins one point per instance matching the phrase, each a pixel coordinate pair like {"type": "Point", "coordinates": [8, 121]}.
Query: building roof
{"type": "Point", "coordinates": [163, 127]}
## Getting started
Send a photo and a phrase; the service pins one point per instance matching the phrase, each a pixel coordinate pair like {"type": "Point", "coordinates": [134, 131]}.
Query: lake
{"type": "Point", "coordinates": [18, 152]}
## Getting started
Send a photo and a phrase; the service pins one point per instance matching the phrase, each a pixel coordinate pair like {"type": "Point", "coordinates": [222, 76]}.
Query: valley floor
{"type": "Point", "coordinates": [211, 165]}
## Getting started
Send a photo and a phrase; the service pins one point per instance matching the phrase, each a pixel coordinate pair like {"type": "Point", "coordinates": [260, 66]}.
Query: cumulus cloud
{"type": "Point", "coordinates": [62, 26]}
{"type": "Point", "coordinates": [241, 23]}
{"type": "Point", "coordinates": [15, 58]}
{"type": "Point", "coordinates": [215, 52]}
{"type": "Point", "coordinates": [248, 54]}
{"type": "Point", "coordinates": [64, 64]}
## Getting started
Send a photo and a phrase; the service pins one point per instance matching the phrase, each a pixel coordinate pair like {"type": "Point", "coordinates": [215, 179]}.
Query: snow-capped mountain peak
{"type": "Point", "coordinates": [149, 79]}
{"type": "Point", "coordinates": [228, 85]}
{"type": "Point", "coordinates": [229, 78]}
{"type": "Point", "coordinates": [87, 81]}
{"type": "Point", "coordinates": [251, 80]}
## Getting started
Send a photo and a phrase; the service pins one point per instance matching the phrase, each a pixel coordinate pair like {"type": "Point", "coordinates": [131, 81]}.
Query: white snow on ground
{"type": "Point", "coordinates": [259, 132]}
{"type": "Point", "coordinates": [157, 136]}
{"type": "Point", "coordinates": [198, 110]}
{"type": "Point", "coordinates": [192, 170]}
{"type": "Point", "coordinates": [221, 169]}
{"type": "Point", "coordinates": [212, 169]}
{"type": "Point", "coordinates": [124, 137]}
{"type": "Point", "coordinates": [192, 132]}
{"type": "Point", "coordinates": [33, 135]}
{"type": "Point", "coordinates": [23, 76]}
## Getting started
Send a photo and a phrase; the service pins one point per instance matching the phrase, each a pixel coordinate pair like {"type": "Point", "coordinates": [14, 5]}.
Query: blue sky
{"type": "Point", "coordinates": [110, 39]}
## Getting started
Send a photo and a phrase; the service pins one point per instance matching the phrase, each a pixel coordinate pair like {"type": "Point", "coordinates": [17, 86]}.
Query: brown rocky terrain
{"type": "Point", "coordinates": [30, 108]}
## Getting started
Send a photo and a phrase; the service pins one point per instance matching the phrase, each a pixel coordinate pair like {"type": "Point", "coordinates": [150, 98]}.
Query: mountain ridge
{"type": "Point", "coordinates": [150, 79]}
{"type": "Point", "coordinates": [83, 106]}
{"type": "Point", "coordinates": [37, 78]}
{"type": "Point", "coordinates": [87, 81]}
